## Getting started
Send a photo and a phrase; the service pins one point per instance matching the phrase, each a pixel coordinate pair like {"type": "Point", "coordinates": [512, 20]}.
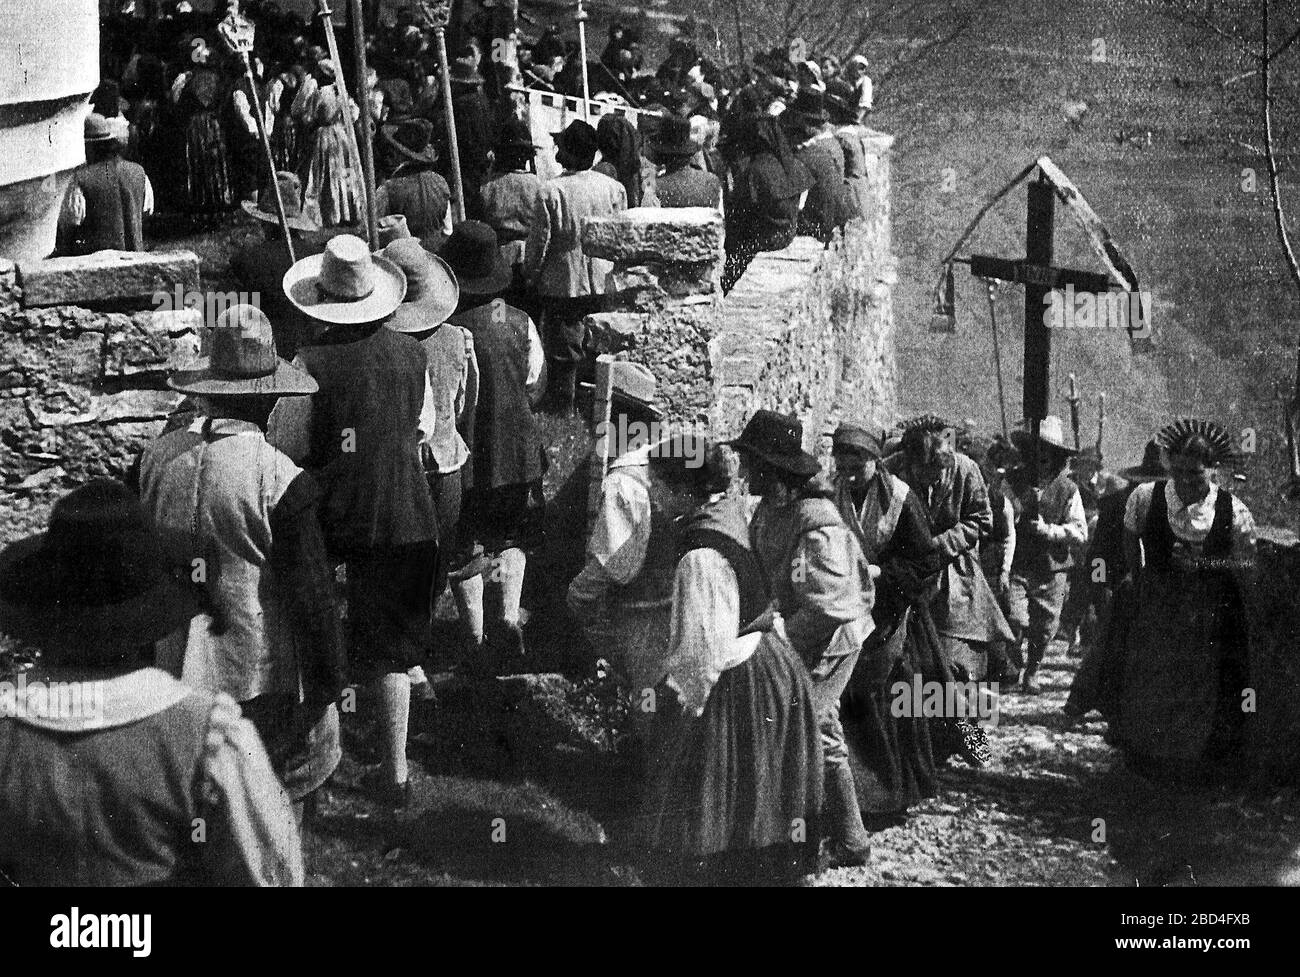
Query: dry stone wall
{"type": "Point", "coordinates": [83, 389]}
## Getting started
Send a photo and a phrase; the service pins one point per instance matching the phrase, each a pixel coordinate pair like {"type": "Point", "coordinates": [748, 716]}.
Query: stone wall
{"type": "Point", "coordinates": [82, 388]}
{"type": "Point", "coordinates": [807, 330]}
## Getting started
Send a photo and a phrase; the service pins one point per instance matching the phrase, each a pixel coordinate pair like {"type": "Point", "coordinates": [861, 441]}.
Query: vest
{"type": "Point", "coordinates": [653, 583]}
{"type": "Point", "coordinates": [1159, 541]}
{"type": "Point", "coordinates": [723, 531]}
{"type": "Point", "coordinates": [211, 497]}
{"type": "Point", "coordinates": [506, 449]}
{"type": "Point", "coordinates": [365, 441]}
{"type": "Point", "coordinates": [446, 350]}
{"type": "Point", "coordinates": [114, 192]}
{"type": "Point", "coordinates": [113, 807]}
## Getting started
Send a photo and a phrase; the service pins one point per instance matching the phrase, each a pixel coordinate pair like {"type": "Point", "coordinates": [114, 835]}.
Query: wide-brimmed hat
{"type": "Point", "coordinates": [856, 440]}
{"type": "Point", "coordinates": [1152, 467]}
{"type": "Point", "coordinates": [291, 196]}
{"type": "Point", "coordinates": [474, 255]}
{"type": "Point", "coordinates": [778, 440]}
{"type": "Point", "coordinates": [392, 227]}
{"type": "Point", "coordinates": [345, 283]}
{"type": "Point", "coordinates": [242, 361]}
{"type": "Point", "coordinates": [412, 138]}
{"type": "Point", "coordinates": [578, 140]}
{"type": "Point", "coordinates": [1051, 432]}
{"type": "Point", "coordinates": [673, 138]}
{"type": "Point", "coordinates": [431, 289]}
{"type": "Point", "coordinates": [515, 134]}
{"type": "Point", "coordinates": [95, 583]}
{"type": "Point", "coordinates": [96, 129]}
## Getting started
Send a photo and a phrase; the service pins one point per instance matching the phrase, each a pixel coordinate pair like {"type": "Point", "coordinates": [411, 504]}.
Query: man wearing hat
{"type": "Point", "coordinates": [259, 266]}
{"type": "Point", "coordinates": [512, 194]}
{"type": "Point", "coordinates": [1096, 683]}
{"type": "Point", "coordinates": [473, 114]}
{"type": "Point", "coordinates": [817, 148]}
{"type": "Point", "coordinates": [107, 792]}
{"type": "Point", "coordinates": [1049, 521]}
{"type": "Point", "coordinates": [506, 459]}
{"type": "Point", "coordinates": [107, 198]}
{"type": "Point", "coordinates": [414, 190]}
{"type": "Point", "coordinates": [820, 582]}
{"type": "Point", "coordinates": [432, 295]}
{"type": "Point", "coordinates": [360, 435]}
{"type": "Point", "coordinates": [680, 183]}
{"type": "Point", "coordinates": [242, 517]}
{"type": "Point", "coordinates": [569, 283]}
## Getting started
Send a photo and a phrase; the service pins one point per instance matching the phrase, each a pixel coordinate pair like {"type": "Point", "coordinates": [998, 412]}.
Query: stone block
{"type": "Point", "coordinates": [107, 276]}
{"type": "Point", "coordinates": [614, 332]}
{"type": "Point", "coordinates": [135, 405]}
{"type": "Point", "coordinates": [689, 234]}
{"type": "Point", "coordinates": [152, 342]}
{"type": "Point", "coordinates": [657, 283]}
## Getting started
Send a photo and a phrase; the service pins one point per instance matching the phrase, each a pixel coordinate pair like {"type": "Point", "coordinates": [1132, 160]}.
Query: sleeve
{"type": "Point", "coordinates": [245, 111]}
{"type": "Point", "coordinates": [301, 108]}
{"type": "Point", "coordinates": [825, 588]}
{"type": "Point", "coordinates": [148, 195]}
{"type": "Point", "coordinates": [975, 519]}
{"type": "Point", "coordinates": [251, 836]}
{"type": "Point", "coordinates": [621, 531]}
{"type": "Point", "coordinates": [1009, 544]}
{"type": "Point", "coordinates": [1074, 529]}
{"type": "Point", "coordinates": [381, 200]}
{"type": "Point", "coordinates": [289, 428]}
{"type": "Point", "coordinates": [465, 418]}
{"type": "Point", "coordinates": [1243, 532]}
{"type": "Point", "coordinates": [428, 417]}
{"type": "Point", "coordinates": [446, 219]}
{"type": "Point", "coordinates": [1139, 504]}
{"type": "Point", "coordinates": [74, 207]}
{"type": "Point", "coordinates": [178, 86]}
{"type": "Point", "coordinates": [300, 562]}
{"type": "Point", "coordinates": [536, 381]}
{"type": "Point", "coordinates": [704, 622]}
{"type": "Point", "coordinates": [539, 236]}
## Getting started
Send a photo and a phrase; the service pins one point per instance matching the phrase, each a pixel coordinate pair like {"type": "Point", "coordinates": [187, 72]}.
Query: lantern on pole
{"type": "Point", "coordinates": [437, 14]}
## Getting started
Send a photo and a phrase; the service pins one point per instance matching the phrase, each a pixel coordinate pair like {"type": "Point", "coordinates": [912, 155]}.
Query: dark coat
{"type": "Point", "coordinates": [114, 192]}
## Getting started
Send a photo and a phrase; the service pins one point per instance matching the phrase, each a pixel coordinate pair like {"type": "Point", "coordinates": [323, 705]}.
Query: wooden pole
{"type": "Point", "coordinates": [457, 184]}
{"type": "Point", "coordinates": [367, 124]}
{"type": "Point", "coordinates": [582, 53]}
{"type": "Point", "coordinates": [258, 114]}
{"type": "Point", "coordinates": [997, 359]}
{"type": "Point", "coordinates": [1039, 224]}
{"type": "Point", "coordinates": [341, 86]}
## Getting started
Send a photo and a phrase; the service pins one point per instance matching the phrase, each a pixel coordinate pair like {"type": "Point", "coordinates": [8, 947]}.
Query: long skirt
{"type": "Point", "coordinates": [207, 165]}
{"type": "Point", "coordinates": [893, 757]}
{"type": "Point", "coordinates": [1185, 668]}
{"type": "Point", "coordinates": [334, 176]}
{"type": "Point", "coordinates": [738, 790]}
{"type": "Point", "coordinates": [284, 144]}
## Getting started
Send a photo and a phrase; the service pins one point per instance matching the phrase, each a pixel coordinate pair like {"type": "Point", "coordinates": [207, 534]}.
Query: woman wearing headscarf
{"type": "Point", "coordinates": [333, 165]}
{"type": "Point", "coordinates": [621, 157]}
{"type": "Point", "coordinates": [735, 759]}
{"type": "Point", "coordinates": [198, 97]}
{"type": "Point", "coordinates": [769, 188]}
{"type": "Point", "coordinates": [1187, 543]}
{"type": "Point", "coordinates": [893, 760]}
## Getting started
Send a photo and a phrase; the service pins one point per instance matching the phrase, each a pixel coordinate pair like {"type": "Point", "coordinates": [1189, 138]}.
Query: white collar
{"type": "Point", "coordinates": [223, 425]}
{"type": "Point", "coordinates": [1176, 504]}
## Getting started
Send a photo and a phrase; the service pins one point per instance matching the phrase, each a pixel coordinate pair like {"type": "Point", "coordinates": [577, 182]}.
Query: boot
{"type": "Point", "coordinates": [849, 842]}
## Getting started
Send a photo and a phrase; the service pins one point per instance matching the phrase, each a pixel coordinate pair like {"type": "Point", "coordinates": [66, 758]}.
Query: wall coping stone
{"type": "Point", "coordinates": [106, 276]}
{"type": "Point", "coordinates": [667, 234]}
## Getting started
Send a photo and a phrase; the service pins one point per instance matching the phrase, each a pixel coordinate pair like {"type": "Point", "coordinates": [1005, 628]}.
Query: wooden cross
{"type": "Point", "coordinates": [1036, 272]}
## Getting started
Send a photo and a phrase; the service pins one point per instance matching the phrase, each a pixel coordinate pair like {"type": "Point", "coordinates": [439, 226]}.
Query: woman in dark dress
{"type": "Point", "coordinates": [1188, 543]}
{"type": "Point", "coordinates": [893, 756]}
{"type": "Point", "coordinates": [207, 162]}
{"type": "Point", "coordinates": [734, 762]}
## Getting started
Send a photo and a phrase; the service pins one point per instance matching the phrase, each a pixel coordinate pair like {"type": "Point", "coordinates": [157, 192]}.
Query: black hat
{"type": "Point", "coordinates": [95, 583]}
{"type": "Point", "coordinates": [474, 255]}
{"type": "Point", "coordinates": [1151, 469]}
{"type": "Point", "coordinates": [778, 440]}
{"type": "Point", "coordinates": [673, 137]}
{"type": "Point", "coordinates": [515, 134]}
{"type": "Point", "coordinates": [578, 140]}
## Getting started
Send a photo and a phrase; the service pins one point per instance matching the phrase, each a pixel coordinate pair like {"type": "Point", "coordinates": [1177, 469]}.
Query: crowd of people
{"type": "Point", "coordinates": [366, 440]}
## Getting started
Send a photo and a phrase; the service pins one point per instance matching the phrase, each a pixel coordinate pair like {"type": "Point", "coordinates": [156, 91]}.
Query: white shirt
{"type": "Point", "coordinates": [1191, 523]}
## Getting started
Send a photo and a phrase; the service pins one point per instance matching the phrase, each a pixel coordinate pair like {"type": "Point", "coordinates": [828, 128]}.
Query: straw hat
{"type": "Point", "coordinates": [95, 583]}
{"type": "Point", "coordinates": [96, 129]}
{"type": "Point", "coordinates": [431, 290]}
{"type": "Point", "coordinates": [392, 227]}
{"type": "Point", "coordinates": [1051, 432]}
{"type": "Point", "coordinates": [345, 284]}
{"type": "Point", "coordinates": [242, 362]}
{"type": "Point", "coordinates": [291, 196]}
